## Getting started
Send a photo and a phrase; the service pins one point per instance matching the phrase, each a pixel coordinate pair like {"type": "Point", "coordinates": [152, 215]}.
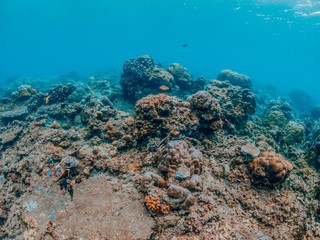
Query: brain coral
{"type": "Point", "coordinates": [270, 169]}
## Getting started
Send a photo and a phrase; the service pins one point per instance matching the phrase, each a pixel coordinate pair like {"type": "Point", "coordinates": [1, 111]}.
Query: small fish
{"type": "Point", "coordinates": [185, 45]}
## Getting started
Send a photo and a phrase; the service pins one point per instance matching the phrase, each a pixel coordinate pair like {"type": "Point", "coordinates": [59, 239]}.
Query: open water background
{"type": "Point", "coordinates": [275, 42]}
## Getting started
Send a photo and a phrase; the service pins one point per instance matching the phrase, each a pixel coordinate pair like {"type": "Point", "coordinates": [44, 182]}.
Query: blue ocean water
{"type": "Point", "coordinates": [274, 42]}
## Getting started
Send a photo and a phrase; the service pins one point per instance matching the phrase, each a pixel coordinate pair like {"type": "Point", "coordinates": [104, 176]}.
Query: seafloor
{"type": "Point", "coordinates": [154, 153]}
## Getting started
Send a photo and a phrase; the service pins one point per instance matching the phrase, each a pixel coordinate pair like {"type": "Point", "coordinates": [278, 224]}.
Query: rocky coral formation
{"type": "Point", "coordinates": [158, 115]}
{"type": "Point", "coordinates": [78, 153]}
{"type": "Point", "coordinates": [183, 78]}
{"type": "Point", "coordinates": [294, 133]}
{"type": "Point", "coordinates": [235, 78]}
{"type": "Point", "coordinates": [180, 161]}
{"type": "Point", "coordinates": [59, 93]}
{"type": "Point", "coordinates": [237, 104]}
{"type": "Point", "coordinates": [142, 76]}
{"type": "Point", "coordinates": [207, 109]}
{"type": "Point", "coordinates": [24, 92]}
{"type": "Point", "coordinates": [270, 169]}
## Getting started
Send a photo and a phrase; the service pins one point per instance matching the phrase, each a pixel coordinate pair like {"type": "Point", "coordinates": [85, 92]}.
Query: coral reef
{"type": "Point", "coordinates": [181, 76]}
{"type": "Point", "coordinates": [227, 162]}
{"type": "Point", "coordinates": [142, 77]}
{"type": "Point", "coordinates": [294, 133]}
{"type": "Point", "coordinates": [235, 78]}
{"type": "Point", "coordinates": [158, 115]}
{"type": "Point", "coordinates": [207, 109]}
{"type": "Point", "coordinates": [237, 104]}
{"type": "Point", "coordinates": [24, 92]}
{"type": "Point", "coordinates": [270, 169]}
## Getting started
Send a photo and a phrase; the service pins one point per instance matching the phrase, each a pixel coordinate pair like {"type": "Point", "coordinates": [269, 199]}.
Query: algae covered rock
{"type": "Point", "coordinates": [17, 114]}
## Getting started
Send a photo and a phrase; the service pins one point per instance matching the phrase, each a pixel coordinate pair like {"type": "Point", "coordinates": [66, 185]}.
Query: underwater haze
{"type": "Point", "coordinates": [275, 42]}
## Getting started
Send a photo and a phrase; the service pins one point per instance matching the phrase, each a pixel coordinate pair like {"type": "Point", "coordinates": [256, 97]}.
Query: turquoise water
{"type": "Point", "coordinates": [273, 42]}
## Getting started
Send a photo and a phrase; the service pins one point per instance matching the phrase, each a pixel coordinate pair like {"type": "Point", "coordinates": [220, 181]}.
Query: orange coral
{"type": "Point", "coordinates": [153, 203]}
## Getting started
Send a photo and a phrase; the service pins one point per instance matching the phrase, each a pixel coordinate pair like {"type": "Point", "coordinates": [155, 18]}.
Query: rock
{"type": "Point", "coordinates": [182, 173]}
{"type": "Point", "coordinates": [177, 192]}
{"type": "Point", "coordinates": [251, 150]}
{"type": "Point", "coordinates": [17, 114]}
